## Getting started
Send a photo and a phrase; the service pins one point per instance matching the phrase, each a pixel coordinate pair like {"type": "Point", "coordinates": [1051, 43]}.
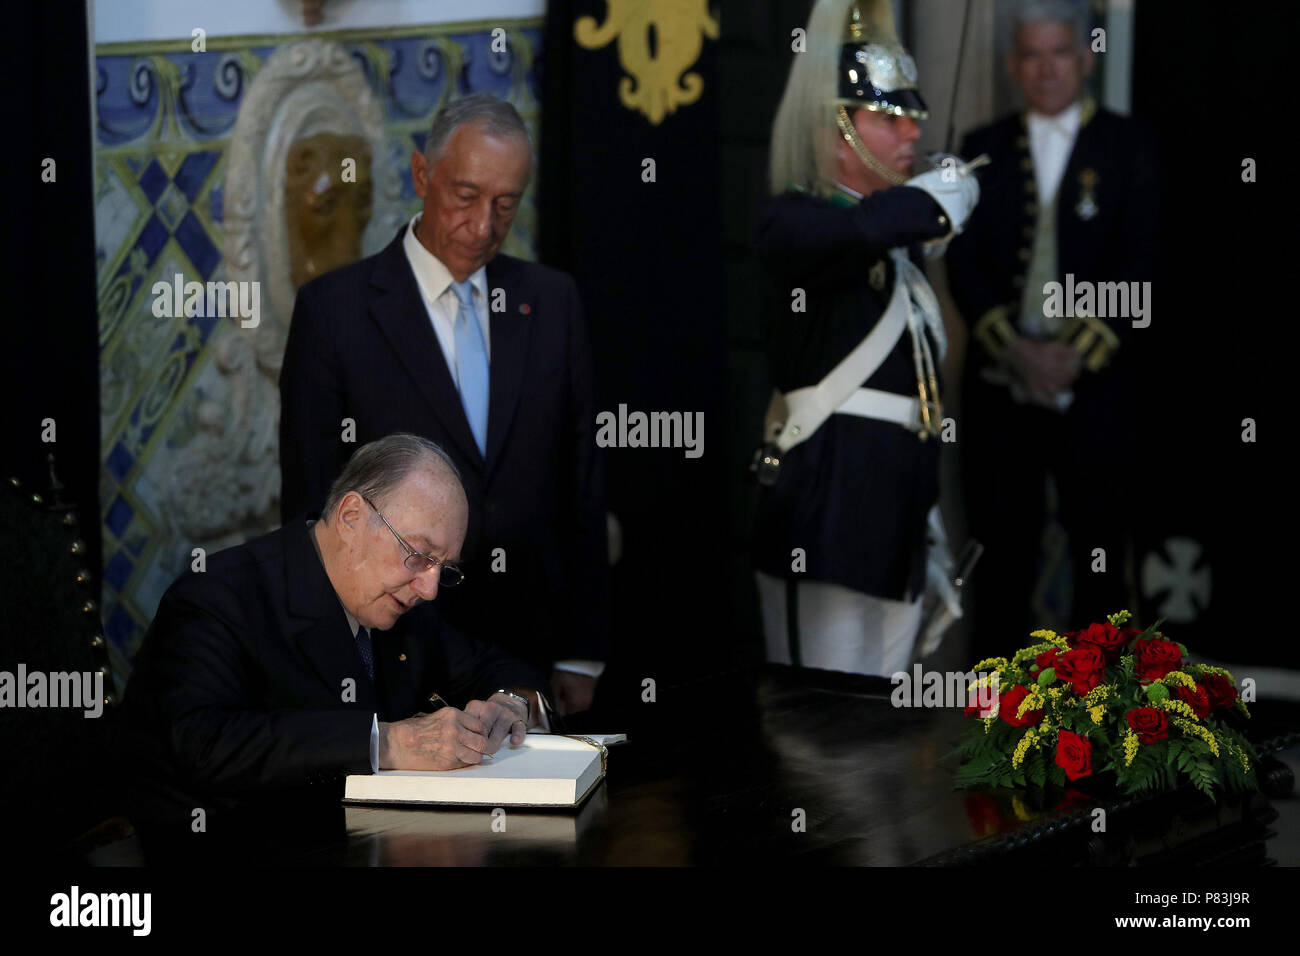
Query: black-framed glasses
{"type": "Point", "coordinates": [448, 577]}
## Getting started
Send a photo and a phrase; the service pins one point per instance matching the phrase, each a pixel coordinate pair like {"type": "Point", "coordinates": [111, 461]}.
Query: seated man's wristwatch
{"type": "Point", "coordinates": [528, 705]}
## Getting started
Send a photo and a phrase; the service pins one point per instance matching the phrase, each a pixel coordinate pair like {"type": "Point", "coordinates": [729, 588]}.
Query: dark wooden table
{"type": "Point", "coordinates": [721, 771]}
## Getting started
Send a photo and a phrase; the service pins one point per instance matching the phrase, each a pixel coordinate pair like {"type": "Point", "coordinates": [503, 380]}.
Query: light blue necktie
{"type": "Point", "coordinates": [471, 365]}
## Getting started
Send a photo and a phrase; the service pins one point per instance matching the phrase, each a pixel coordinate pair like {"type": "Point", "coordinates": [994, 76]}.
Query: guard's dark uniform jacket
{"type": "Point", "coordinates": [855, 495]}
{"type": "Point", "coordinates": [1106, 223]}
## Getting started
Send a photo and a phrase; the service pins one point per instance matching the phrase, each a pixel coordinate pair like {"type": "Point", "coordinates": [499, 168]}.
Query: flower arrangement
{"type": "Point", "coordinates": [1105, 699]}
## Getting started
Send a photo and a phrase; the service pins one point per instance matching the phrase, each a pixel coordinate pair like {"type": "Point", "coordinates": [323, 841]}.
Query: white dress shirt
{"type": "Point", "coordinates": [440, 300]}
{"type": "Point", "coordinates": [1051, 140]}
{"type": "Point", "coordinates": [441, 303]}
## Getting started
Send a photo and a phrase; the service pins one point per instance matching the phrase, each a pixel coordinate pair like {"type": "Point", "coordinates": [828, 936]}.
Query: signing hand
{"type": "Point", "coordinates": [445, 740]}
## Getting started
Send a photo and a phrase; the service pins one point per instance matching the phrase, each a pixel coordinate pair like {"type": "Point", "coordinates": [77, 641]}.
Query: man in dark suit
{"type": "Point", "coordinates": [1069, 198]}
{"type": "Point", "coordinates": [265, 673]}
{"type": "Point", "coordinates": [441, 335]}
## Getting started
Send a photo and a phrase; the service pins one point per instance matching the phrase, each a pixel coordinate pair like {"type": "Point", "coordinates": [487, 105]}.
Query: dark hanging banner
{"type": "Point", "coordinates": [630, 205]}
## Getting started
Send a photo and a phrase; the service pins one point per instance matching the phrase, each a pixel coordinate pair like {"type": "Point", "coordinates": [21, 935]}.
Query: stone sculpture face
{"type": "Point", "coordinates": [325, 211]}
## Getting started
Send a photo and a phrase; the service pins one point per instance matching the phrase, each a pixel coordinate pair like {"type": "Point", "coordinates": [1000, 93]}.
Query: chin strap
{"type": "Point", "coordinates": [850, 134]}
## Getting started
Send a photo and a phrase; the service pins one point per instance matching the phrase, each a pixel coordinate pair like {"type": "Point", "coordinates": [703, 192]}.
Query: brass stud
{"type": "Point", "coordinates": [89, 607]}
{"type": "Point", "coordinates": [37, 499]}
{"type": "Point", "coordinates": [14, 482]}
{"type": "Point", "coordinates": [108, 699]}
{"type": "Point", "coordinates": [83, 576]}
{"type": "Point", "coordinates": [401, 657]}
{"type": "Point", "coordinates": [97, 641]}
{"type": "Point", "coordinates": [77, 547]}
{"type": "Point", "coordinates": [69, 520]}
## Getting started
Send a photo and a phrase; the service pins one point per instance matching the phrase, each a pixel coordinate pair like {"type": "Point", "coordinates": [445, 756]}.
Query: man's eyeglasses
{"type": "Point", "coordinates": [448, 577]}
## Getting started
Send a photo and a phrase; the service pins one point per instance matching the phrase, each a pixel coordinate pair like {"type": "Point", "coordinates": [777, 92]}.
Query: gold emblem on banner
{"type": "Point", "coordinates": [659, 82]}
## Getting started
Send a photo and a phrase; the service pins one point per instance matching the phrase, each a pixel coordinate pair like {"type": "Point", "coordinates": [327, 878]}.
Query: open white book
{"type": "Point", "coordinates": [544, 771]}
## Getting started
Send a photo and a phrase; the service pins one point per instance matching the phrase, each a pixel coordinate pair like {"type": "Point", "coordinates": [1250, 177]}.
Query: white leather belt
{"type": "Point", "coordinates": [886, 406]}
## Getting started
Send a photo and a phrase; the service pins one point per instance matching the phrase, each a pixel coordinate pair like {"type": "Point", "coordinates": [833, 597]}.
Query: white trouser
{"type": "Point", "coordinates": [840, 629]}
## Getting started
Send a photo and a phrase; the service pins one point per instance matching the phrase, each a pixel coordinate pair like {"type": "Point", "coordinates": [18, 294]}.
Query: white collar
{"type": "Point", "coordinates": [1065, 122]}
{"type": "Point", "coordinates": [432, 276]}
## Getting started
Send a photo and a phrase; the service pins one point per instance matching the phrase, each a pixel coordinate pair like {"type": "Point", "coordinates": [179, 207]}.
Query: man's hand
{"type": "Point", "coordinates": [1045, 368]}
{"type": "Point", "coordinates": [446, 740]}
{"type": "Point", "coordinates": [573, 691]}
{"type": "Point", "coordinates": [508, 716]}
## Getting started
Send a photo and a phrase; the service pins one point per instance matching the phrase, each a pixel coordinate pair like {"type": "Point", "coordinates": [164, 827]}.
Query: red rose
{"type": "Point", "coordinates": [976, 709]}
{"type": "Point", "coordinates": [1220, 690]}
{"type": "Point", "coordinates": [1156, 658]}
{"type": "Point", "coordinates": [1073, 754]}
{"type": "Point", "coordinates": [1106, 636]}
{"type": "Point", "coordinates": [1197, 697]}
{"type": "Point", "coordinates": [1083, 667]}
{"type": "Point", "coordinates": [1048, 658]}
{"type": "Point", "coordinates": [1011, 703]}
{"type": "Point", "coordinates": [1150, 725]}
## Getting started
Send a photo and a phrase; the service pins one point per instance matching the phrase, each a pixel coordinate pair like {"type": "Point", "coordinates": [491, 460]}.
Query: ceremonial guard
{"type": "Point", "coordinates": [1049, 275]}
{"type": "Point", "coordinates": [851, 463]}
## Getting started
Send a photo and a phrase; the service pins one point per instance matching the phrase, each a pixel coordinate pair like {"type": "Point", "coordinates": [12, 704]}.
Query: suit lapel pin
{"type": "Point", "coordinates": [524, 308]}
{"type": "Point", "coordinates": [1087, 207]}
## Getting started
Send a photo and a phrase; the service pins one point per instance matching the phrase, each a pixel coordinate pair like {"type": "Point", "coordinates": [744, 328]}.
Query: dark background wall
{"type": "Point", "coordinates": [1220, 347]}
{"type": "Point", "coordinates": [50, 364]}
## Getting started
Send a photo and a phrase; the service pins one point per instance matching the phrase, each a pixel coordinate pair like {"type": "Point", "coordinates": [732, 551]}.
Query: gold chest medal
{"type": "Point", "coordinates": [1087, 206]}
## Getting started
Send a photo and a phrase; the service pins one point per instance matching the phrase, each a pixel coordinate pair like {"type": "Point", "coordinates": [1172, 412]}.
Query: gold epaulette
{"type": "Point", "coordinates": [995, 332]}
{"type": "Point", "coordinates": [1092, 338]}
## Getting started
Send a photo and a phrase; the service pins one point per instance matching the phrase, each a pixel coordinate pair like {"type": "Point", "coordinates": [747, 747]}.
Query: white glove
{"type": "Point", "coordinates": [953, 186]}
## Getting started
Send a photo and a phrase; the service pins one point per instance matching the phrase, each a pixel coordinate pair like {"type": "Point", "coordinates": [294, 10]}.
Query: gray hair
{"type": "Point", "coordinates": [1052, 11]}
{"type": "Point", "coordinates": [498, 117]}
{"type": "Point", "coordinates": [377, 468]}
{"type": "Point", "coordinates": [803, 132]}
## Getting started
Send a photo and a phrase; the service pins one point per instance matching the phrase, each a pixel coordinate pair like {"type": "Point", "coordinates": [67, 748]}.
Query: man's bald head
{"type": "Point", "coordinates": [395, 495]}
{"type": "Point", "coordinates": [377, 468]}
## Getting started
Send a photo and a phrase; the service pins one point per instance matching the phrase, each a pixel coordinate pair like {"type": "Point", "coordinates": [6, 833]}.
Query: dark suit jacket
{"type": "Point", "coordinates": [238, 688]}
{"type": "Point", "coordinates": [854, 496]}
{"type": "Point", "coordinates": [988, 262]}
{"type": "Point", "coordinates": [361, 346]}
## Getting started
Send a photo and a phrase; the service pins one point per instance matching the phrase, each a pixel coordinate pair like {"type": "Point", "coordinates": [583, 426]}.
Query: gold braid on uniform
{"type": "Point", "coordinates": [850, 134]}
{"type": "Point", "coordinates": [1092, 338]}
{"type": "Point", "coordinates": [995, 332]}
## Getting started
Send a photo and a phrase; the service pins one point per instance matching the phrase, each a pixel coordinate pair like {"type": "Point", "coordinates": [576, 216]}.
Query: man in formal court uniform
{"type": "Point", "coordinates": [852, 461]}
{"type": "Point", "coordinates": [269, 675]}
{"type": "Point", "coordinates": [442, 335]}
{"type": "Point", "coordinates": [1069, 198]}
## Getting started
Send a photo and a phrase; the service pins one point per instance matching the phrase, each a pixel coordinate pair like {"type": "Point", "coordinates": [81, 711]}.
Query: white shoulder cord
{"type": "Point", "coordinates": [920, 295]}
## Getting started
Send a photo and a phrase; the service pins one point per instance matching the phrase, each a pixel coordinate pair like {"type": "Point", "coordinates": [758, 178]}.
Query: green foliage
{"type": "Point", "coordinates": [1183, 759]}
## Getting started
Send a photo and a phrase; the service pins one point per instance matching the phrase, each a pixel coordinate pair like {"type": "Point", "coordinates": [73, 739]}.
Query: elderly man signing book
{"type": "Point", "coordinates": [315, 652]}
